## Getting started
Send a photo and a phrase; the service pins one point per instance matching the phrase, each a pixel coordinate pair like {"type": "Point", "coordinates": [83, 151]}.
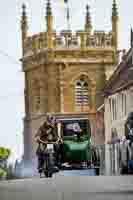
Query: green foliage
{"type": "Point", "coordinates": [4, 153]}
{"type": "Point", "coordinates": [10, 172]}
{"type": "Point", "coordinates": [3, 173]}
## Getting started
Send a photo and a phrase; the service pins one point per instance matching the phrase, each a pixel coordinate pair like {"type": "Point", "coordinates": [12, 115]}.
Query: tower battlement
{"type": "Point", "coordinates": [68, 40]}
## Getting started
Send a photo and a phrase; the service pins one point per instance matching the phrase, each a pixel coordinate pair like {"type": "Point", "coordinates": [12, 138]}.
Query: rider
{"type": "Point", "coordinates": [78, 131]}
{"type": "Point", "coordinates": [124, 155]}
{"type": "Point", "coordinates": [129, 126]}
{"type": "Point", "coordinates": [46, 132]}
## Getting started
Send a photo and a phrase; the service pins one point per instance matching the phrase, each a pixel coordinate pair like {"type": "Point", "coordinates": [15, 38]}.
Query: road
{"type": "Point", "coordinates": [68, 188]}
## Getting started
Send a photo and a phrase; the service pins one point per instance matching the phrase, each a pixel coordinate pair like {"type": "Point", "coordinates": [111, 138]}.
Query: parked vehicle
{"type": "Point", "coordinates": [77, 147]}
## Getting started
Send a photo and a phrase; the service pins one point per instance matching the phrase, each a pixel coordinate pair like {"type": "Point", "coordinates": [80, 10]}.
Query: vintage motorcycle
{"type": "Point", "coordinates": [49, 159]}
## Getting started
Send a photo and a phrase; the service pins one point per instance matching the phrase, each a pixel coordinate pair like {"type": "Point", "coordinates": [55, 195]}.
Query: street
{"type": "Point", "coordinates": [68, 188]}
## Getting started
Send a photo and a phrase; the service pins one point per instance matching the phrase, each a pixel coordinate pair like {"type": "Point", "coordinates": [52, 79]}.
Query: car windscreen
{"type": "Point", "coordinates": [69, 127]}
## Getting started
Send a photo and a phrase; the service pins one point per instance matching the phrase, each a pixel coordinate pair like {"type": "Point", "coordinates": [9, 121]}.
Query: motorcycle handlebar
{"type": "Point", "coordinates": [48, 142]}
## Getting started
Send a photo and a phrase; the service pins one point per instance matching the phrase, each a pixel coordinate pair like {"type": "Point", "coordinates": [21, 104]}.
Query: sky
{"type": "Point", "coordinates": [12, 77]}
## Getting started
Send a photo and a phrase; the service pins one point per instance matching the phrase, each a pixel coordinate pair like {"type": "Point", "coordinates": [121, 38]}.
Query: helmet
{"type": "Point", "coordinates": [77, 127]}
{"type": "Point", "coordinates": [50, 118]}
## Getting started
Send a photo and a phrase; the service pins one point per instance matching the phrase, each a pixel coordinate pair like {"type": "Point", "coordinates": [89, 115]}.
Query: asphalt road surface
{"type": "Point", "coordinates": [68, 188]}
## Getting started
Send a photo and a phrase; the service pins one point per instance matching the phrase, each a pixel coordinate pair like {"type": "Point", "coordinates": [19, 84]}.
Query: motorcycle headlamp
{"type": "Point", "coordinates": [50, 137]}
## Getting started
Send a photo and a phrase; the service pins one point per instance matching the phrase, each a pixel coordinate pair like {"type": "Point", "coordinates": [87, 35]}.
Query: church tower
{"type": "Point", "coordinates": [65, 72]}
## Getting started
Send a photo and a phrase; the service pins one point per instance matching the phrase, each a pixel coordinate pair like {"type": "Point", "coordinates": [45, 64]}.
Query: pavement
{"type": "Point", "coordinates": [85, 172]}
{"type": "Point", "coordinates": [62, 187]}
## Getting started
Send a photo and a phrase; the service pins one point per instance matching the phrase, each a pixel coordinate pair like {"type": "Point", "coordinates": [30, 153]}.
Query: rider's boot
{"type": "Point", "coordinates": [40, 165]}
{"type": "Point", "coordinates": [55, 169]}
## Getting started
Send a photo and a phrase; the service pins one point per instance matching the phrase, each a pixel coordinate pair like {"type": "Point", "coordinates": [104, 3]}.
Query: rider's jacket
{"type": "Point", "coordinates": [46, 130]}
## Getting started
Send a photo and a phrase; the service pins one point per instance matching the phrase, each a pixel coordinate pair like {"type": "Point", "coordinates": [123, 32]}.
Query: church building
{"type": "Point", "coordinates": [65, 72]}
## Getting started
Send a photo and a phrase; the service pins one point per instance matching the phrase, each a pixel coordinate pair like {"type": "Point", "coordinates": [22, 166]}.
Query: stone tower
{"type": "Point", "coordinates": [65, 72]}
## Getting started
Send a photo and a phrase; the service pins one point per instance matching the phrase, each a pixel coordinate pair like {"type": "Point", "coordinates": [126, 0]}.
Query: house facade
{"type": "Point", "coordinates": [118, 104]}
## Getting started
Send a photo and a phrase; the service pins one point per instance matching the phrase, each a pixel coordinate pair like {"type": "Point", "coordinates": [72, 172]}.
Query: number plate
{"type": "Point", "coordinates": [49, 146]}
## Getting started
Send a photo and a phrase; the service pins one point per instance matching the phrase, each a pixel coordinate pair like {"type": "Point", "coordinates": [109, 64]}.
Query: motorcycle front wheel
{"type": "Point", "coordinates": [47, 173]}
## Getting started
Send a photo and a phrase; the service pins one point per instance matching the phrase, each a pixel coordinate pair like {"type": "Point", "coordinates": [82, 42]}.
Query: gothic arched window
{"type": "Point", "coordinates": [81, 93]}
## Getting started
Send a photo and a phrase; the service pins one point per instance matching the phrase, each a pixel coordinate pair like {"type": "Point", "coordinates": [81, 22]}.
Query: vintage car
{"type": "Point", "coordinates": [77, 148]}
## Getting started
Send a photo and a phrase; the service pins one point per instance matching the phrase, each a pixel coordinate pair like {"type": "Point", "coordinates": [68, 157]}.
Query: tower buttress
{"type": "Point", "coordinates": [24, 25]}
{"type": "Point", "coordinates": [115, 19]}
{"type": "Point", "coordinates": [49, 24]}
{"type": "Point", "coordinates": [88, 25]}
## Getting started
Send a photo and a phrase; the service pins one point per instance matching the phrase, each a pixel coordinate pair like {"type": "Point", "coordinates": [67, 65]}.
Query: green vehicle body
{"type": "Point", "coordinates": [74, 150]}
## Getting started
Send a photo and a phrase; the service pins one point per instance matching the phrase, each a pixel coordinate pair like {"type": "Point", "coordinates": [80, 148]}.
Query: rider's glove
{"type": "Point", "coordinates": [37, 139]}
{"type": "Point", "coordinates": [60, 140]}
